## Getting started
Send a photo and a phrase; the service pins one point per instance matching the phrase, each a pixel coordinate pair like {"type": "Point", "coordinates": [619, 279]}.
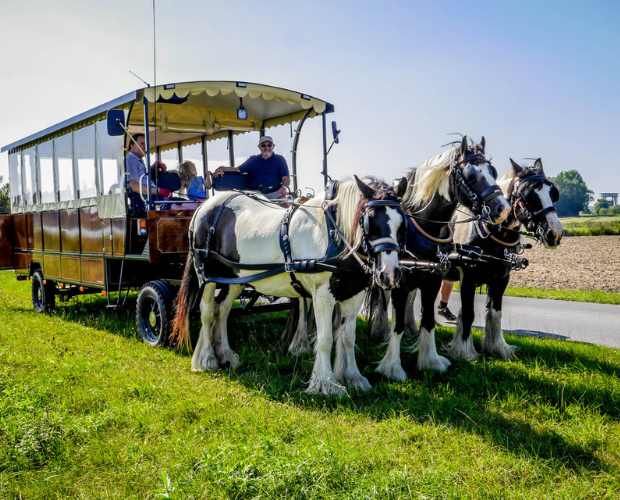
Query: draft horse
{"type": "Point", "coordinates": [461, 175]}
{"type": "Point", "coordinates": [326, 249]}
{"type": "Point", "coordinates": [531, 196]}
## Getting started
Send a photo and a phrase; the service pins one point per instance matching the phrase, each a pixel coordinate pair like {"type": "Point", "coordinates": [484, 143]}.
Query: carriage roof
{"type": "Point", "coordinates": [195, 109]}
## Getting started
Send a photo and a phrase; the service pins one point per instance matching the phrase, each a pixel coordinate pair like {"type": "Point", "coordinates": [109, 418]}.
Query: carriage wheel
{"type": "Point", "coordinates": [153, 313]}
{"type": "Point", "coordinates": [43, 295]}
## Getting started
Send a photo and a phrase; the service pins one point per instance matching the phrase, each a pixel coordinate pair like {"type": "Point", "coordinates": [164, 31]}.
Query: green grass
{"type": "Point", "coordinates": [87, 411]}
{"type": "Point", "coordinates": [570, 295]}
{"type": "Point", "coordinates": [591, 225]}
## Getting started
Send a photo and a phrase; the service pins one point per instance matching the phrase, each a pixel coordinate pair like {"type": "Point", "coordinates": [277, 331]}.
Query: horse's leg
{"type": "Point", "coordinates": [391, 364]}
{"type": "Point", "coordinates": [410, 324]}
{"type": "Point", "coordinates": [345, 365]}
{"type": "Point", "coordinates": [204, 355]}
{"type": "Point", "coordinates": [428, 357]}
{"type": "Point", "coordinates": [223, 305]}
{"type": "Point", "coordinates": [462, 345]}
{"type": "Point", "coordinates": [323, 379]}
{"type": "Point", "coordinates": [379, 310]}
{"type": "Point", "coordinates": [493, 340]}
{"type": "Point", "coordinates": [301, 342]}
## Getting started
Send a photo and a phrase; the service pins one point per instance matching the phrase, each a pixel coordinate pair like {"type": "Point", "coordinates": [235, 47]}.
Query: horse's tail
{"type": "Point", "coordinates": [186, 299]}
{"type": "Point", "coordinates": [375, 312]}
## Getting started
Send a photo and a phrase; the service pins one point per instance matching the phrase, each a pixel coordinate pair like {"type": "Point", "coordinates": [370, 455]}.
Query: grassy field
{"type": "Point", "coordinates": [591, 225]}
{"type": "Point", "coordinates": [87, 411]}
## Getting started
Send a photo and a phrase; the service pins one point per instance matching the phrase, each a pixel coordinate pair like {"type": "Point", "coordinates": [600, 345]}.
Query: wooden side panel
{"type": "Point", "coordinates": [70, 268]}
{"type": "Point", "coordinates": [37, 232]}
{"type": "Point", "coordinates": [30, 231]}
{"type": "Point", "coordinates": [108, 244]}
{"type": "Point", "coordinates": [6, 241]}
{"type": "Point", "coordinates": [168, 235]}
{"type": "Point", "coordinates": [22, 262]}
{"type": "Point", "coordinates": [119, 231]}
{"type": "Point", "coordinates": [51, 231]}
{"type": "Point", "coordinates": [20, 232]}
{"type": "Point", "coordinates": [70, 230]}
{"type": "Point", "coordinates": [93, 272]}
{"type": "Point", "coordinates": [51, 266]}
{"type": "Point", "coordinates": [91, 231]}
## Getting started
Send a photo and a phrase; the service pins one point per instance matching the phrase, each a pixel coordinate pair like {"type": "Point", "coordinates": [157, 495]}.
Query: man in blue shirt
{"type": "Point", "coordinates": [268, 171]}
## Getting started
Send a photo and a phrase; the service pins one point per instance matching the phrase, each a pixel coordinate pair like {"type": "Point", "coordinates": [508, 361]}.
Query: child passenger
{"type": "Point", "coordinates": [192, 186]}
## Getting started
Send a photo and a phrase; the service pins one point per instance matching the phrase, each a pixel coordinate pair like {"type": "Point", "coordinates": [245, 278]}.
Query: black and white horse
{"type": "Point", "coordinates": [235, 240]}
{"type": "Point", "coordinates": [531, 196]}
{"type": "Point", "coordinates": [461, 175]}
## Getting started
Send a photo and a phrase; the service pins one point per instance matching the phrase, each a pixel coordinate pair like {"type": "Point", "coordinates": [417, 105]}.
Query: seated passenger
{"type": "Point", "coordinates": [192, 185]}
{"type": "Point", "coordinates": [135, 169]}
{"type": "Point", "coordinates": [268, 171]}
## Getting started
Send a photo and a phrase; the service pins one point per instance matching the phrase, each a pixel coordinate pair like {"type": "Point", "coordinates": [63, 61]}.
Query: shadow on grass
{"type": "Point", "coordinates": [465, 397]}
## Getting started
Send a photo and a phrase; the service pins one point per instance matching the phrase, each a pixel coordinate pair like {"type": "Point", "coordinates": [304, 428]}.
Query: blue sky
{"type": "Point", "coordinates": [537, 79]}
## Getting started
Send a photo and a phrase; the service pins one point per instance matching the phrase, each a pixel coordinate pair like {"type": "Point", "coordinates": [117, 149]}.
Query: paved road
{"type": "Point", "coordinates": [577, 321]}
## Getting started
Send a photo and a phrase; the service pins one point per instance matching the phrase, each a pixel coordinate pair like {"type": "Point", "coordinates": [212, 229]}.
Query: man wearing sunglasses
{"type": "Point", "coordinates": [268, 171]}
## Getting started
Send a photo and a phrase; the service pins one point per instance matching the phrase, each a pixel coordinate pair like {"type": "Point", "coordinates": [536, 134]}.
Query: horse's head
{"type": "Point", "coordinates": [382, 224]}
{"type": "Point", "coordinates": [532, 196]}
{"type": "Point", "coordinates": [474, 183]}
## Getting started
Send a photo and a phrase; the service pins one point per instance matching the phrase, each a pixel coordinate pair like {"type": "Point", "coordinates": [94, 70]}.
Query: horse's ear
{"type": "Point", "coordinates": [401, 189]}
{"type": "Point", "coordinates": [483, 144]}
{"type": "Point", "coordinates": [516, 167]}
{"type": "Point", "coordinates": [367, 191]}
{"type": "Point", "coordinates": [538, 165]}
{"type": "Point", "coordinates": [464, 146]}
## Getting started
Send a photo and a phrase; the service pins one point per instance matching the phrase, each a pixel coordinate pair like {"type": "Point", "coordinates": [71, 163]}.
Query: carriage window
{"type": "Point", "coordinates": [193, 153]}
{"type": "Point", "coordinates": [15, 179]}
{"type": "Point", "coordinates": [46, 172]}
{"type": "Point", "coordinates": [171, 159]}
{"type": "Point", "coordinates": [85, 155]}
{"type": "Point", "coordinates": [217, 153]}
{"type": "Point", "coordinates": [64, 165]}
{"type": "Point", "coordinates": [30, 176]}
{"type": "Point", "coordinates": [110, 154]}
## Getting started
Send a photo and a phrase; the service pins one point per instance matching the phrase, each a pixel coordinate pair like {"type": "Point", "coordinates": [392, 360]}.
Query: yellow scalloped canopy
{"type": "Point", "coordinates": [211, 107]}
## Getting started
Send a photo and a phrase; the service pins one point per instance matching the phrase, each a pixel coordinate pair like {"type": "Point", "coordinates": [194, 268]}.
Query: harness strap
{"type": "Point", "coordinates": [285, 245]}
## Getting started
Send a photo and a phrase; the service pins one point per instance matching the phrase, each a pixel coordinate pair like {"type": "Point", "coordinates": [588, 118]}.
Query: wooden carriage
{"type": "Point", "coordinates": [75, 226]}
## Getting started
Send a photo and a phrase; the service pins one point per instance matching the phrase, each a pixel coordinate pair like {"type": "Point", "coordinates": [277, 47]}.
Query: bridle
{"type": "Point", "coordinates": [478, 202]}
{"type": "Point", "coordinates": [531, 220]}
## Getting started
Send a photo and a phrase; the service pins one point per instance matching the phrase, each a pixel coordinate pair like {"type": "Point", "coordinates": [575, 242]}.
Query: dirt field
{"type": "Point", "coordinates": [580, 263]}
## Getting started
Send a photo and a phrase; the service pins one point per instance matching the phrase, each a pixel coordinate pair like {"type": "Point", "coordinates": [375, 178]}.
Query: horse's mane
{"type": "Point", "coordinates": [430, 178]}
{"type": "Point", "coordinates": [350, 204]}
{"type": "Point", "coordinates": [505, 180]}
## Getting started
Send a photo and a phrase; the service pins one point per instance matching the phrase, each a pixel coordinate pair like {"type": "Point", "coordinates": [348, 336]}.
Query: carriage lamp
{"type": "Point", "coordinates": [142, 227]}
{"type": "Point", "coordinates": [242, 113]}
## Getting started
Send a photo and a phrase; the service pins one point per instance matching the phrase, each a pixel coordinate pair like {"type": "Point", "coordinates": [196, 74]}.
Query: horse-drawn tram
{"type": "Point", "coordinates": [77, 227]}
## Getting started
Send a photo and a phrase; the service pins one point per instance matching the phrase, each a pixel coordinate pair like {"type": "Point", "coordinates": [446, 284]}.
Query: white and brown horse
{"type": "Point", "coordinates": [335, 249]}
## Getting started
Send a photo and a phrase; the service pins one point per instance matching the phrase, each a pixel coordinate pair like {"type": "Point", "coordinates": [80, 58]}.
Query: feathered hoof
{"type": "Point", "coordinates": [505, 351]}
{"type": "Point", "coordinates": [299, 348]}
{"type": "Point", "coordinates": [329, 387]}
{"type": "Point", "coordinates": [208, 363]}
{"type": "Point", "coordinates": [437, 363]}
{"type": "Point", "coordinates": [461, 351]}
{"type": "Point", "coordinates": [230, 360]}
{"type": "Point", "coordinates": [393, 371]}
{"type": "Point", "coordinates": [358, 382]}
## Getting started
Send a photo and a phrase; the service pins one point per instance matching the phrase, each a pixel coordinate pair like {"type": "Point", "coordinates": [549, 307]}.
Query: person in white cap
{"type": "Point", "coordinates": [268, 171]}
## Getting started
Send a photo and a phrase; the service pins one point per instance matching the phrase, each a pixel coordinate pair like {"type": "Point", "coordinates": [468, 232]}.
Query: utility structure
{"type": "Point", "coordinates": [612, 197]}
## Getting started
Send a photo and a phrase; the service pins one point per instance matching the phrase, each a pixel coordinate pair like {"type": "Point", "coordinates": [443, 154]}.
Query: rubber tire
{"type": "Point", "coordinates": [153, 313]}
{"type": "Point", "coordinates": [43, 295]}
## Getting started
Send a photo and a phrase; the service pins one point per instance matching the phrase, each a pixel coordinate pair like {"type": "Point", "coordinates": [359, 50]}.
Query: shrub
{"type": "Point", "coordinates": [602, 211]}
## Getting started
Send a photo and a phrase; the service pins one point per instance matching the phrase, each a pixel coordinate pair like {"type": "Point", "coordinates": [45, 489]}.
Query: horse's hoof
{"type": "Point", "coordinates": [299, 349]}
{"type": "Point", "coordinates": [395, 372]}
{"type": "Point", "coordinates": [461, 352]}
{"type": "Point", "coordinates": [229, 360]}
{"type": "Point", "coordinates": [206, 364]}
{"type": "Point", "coordinates": [438, 363]}
{"type": "Point", "coordinates": [329, 387]}
{"type": "Point", "coordinates": [358, 382]}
